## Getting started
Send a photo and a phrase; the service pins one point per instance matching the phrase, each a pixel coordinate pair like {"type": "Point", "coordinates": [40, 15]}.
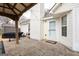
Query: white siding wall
{"type": "Point", "coordinates": [41, 29]}
{"type": "Point", "coordinates": [72, 39]}
{"type": "Point", "coordinates": [41, 22]}
{"type": "Point", "coordinates": [58, 29]}
{"type": "Point", "coordinates": [46, 29]}
{"type": "Point", "coordinates": [65, 40]}
{"type": "Point", "coordinates": [24, 28]}
{"type": "Point", "coordinates": [35, 22]}
{"type": "Point", "coordinates": [76, 27]}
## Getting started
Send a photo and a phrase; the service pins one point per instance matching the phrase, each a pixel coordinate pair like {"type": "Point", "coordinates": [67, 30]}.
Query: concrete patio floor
{"type": "Point", "coordinates": [30, 47]}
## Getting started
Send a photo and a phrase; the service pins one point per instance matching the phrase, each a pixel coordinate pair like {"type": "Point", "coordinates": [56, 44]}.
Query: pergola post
{"type": "Point", "coordinates": [17, 31]}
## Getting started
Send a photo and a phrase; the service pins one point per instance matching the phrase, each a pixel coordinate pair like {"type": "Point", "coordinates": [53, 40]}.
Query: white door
{"type": "Point", "coordinates": [52, 30]}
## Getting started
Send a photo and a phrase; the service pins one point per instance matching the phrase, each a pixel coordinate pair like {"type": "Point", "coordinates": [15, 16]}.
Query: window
{"type": "Point", "coordinates": [64, 25]}
{"type": "Point", "coordinates": [52, 28]}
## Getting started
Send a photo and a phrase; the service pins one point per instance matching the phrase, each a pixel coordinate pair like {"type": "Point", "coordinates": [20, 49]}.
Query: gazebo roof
{"type": "Point", "coordinates": [14, 10]}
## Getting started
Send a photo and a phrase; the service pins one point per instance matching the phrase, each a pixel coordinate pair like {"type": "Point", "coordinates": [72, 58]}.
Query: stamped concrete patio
{"type": "Point", "coordinates": [30, 47]}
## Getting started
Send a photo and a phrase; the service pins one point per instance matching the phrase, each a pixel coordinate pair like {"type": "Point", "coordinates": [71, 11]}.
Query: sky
{"type": "Point", "coordinates": [46, 6]}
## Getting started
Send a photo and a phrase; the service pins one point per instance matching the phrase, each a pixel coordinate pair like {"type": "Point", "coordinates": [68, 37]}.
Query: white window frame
{"type": "Point", "coordinates": [49, 26]}
{"type": "Point", "coordinates": [64, 25]}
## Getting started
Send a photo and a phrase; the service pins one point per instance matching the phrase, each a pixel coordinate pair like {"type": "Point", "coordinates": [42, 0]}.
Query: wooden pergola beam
{"type": "Point", "coordinates": [3, 8]}
{"type": "Point", "coordinates": [12, 9]}
{"type": "Point", "coordinates": [23, 5]}
{"type": "Point", "coordinates": [8, 15]}
{"type": "Point", "coordinates": [15, 4]}
{"type": "Point", "coordinates": [15, 8]}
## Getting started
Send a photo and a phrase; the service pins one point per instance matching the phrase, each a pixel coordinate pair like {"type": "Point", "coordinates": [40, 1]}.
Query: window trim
{"type": "Point", "coordinates": [49, 26]}
{"type": "Point", "coordinates": [54, 29]}
{"type": "Point", "coordinates": [62, 26]}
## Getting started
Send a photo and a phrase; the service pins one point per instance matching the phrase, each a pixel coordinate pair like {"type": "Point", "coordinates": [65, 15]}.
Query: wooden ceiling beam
{"type": "Point", "coordinates": [23, 5]}
{"type": "Point", "coordinates": [15, 4]}
{"type": "Point", "coordinates": [4, 7]}
{"type": "Point", "coordinates": [12, 9]}
{"type": "Point", "coordinates": [12, 16]}
{"type": "Point", "coordinates": [15, 8]}
{"type": "Point", "coordinates": [8, 15]}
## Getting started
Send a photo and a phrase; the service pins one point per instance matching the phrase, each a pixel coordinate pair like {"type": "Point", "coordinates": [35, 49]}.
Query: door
{"type": "Point", "coordinates": [52, 30]}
